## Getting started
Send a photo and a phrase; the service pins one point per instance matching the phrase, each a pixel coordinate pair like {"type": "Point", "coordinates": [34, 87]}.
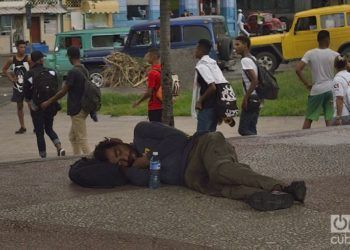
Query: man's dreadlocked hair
{"type": "Point", "coordinates": [100, 149]}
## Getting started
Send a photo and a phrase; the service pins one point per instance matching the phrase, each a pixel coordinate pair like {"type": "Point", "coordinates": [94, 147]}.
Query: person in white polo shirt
{"type": "Point", "coordinates": [341, 91]}
{"type": "Point", "coordinates": [207, 76]}
{"type": "Point", "coordinates": [321, 61]}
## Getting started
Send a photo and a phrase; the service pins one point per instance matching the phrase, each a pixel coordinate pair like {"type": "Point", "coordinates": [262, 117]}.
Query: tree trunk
{"type": "Point", "coordinates": [167, 115]}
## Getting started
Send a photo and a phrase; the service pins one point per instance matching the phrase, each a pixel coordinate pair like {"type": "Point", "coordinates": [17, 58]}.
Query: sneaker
{"type": "Point", "coordinates": [21, 131]}
{"type": "Point", "coordinates": [297, 189]}
{"type": "Point", "coordinates": [61, 152]}
{"type": "Point", "coordinates": [269, 201]}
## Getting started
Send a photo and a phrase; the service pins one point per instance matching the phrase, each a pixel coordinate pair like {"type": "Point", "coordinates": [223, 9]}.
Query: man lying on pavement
{"type": "Point", "coordinates": [204, 162]}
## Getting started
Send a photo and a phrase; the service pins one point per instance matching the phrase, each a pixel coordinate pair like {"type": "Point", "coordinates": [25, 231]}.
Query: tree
{"type": "Point", "coordinates": [167, 116]}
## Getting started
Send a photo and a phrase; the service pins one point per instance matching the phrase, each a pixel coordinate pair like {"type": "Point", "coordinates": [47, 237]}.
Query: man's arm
{"type": "Point", "coordinates": [56, 97]}
{"type": "Point", "coordinates": [5, 71]}
{"type": "Point", "coordinates": [339, 104]}
{"type": "Point", "coordinates": [145, 96]}
{"type": "Point", "coordinates": [211, 90]}
{"type": "Point", "coordinates": [299, 71]}
{"type": "Point", "coordinates": [253, 78]}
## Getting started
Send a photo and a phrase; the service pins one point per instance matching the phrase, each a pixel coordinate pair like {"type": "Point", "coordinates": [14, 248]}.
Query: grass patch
{"type": "Point", "coordinates": [291, 100]}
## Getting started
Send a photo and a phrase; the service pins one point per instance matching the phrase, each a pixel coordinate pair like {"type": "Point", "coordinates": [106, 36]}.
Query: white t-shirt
{"type": "Point", "coordinates": [341, 87]}
{"type": "Point", "coordinates": [240, 18]}
{"type": "Point", "coordinates": [210, 71]}
{"type": "Point", "coordinates": [247, 63]}
{"type": "Point", "coordinates": [321, 62]}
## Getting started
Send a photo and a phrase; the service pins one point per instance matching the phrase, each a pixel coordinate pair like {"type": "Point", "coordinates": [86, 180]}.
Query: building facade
{"type": "Point", "coordinates": [135, 11]}
{"type": "Point", "coordinates": [89, 14]}
{"type": "Point", "coordinates": [38, 27]}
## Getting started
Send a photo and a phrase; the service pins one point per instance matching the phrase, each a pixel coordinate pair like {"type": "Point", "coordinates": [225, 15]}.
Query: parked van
{"type": "Point", "coordinates": [96, 39]}
{"type": "Point", "coordinates": [272, 50]}
{"type": "Point", "coordinates": [184, 32]}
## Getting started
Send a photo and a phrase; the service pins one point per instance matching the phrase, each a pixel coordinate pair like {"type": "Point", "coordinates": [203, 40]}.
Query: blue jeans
{"type": "Point", "coordinates": [207, 120]}
{"type": "Point", "coordinates": [247, 123]}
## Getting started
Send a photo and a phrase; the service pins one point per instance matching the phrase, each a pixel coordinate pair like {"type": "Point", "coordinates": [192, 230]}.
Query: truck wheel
{"type": "Point", "coordinates": [225, 47]}
{"type": "Point", "coordinates": [267, 60]}
{"type": "Point", "coordinates": [96, 77]}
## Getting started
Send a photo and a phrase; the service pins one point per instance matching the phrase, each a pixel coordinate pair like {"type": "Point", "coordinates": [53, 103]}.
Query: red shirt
{"type": "Point", "coordinates": [153, 82]}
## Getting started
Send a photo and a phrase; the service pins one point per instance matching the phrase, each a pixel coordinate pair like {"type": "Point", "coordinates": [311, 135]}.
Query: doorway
{"type": "Point", "coordinates": [35, 30]}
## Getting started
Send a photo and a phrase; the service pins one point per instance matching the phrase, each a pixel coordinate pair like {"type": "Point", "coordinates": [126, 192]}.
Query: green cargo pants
{"type": "Point", "coordinates": [213, 169]}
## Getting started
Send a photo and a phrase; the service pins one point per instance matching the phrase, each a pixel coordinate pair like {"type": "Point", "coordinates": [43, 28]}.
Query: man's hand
{"type": "Point", "coordinates": [199, 105]}
{"type": "Point", "coordinates": [44, 105]}
{"type": "Point", "coordinates": [141, 162]}
{"type": "Point", "coordinates": [245, 103]}
{"type": "Point", "coordinates": [135, 104]}
{"type": "Point", "coordinates": [308, 87]}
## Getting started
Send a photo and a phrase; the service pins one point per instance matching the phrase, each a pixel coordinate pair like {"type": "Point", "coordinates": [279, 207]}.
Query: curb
{"type": "Point", "coordinates": [34, 160]}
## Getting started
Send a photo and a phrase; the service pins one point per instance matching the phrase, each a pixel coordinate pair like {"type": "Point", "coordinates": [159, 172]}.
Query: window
{"type": "Point", "coordinates": [219, 29]}
{"type": "Point", "coordinates": [306, 23]}
{"type": "Point", "coordinates": [194, 33]}
{"type": "Point", "coordinates": [141, 38]}
{"type": "Point", "coordinates": [175, 34]}
{"type": "Point", "coordinates": [66, 42]}
{"type": "Point", "coordinates": [107, 41]}
{"type": "Point", "coordinates": [5, 25]}
{"type": "Point", "coordinates": [50, 24]}
{"type": "Point", "coordinates": [332, 21]}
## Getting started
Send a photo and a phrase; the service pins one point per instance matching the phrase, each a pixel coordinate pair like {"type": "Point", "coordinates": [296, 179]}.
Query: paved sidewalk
{"type": "Point", "coordinates": [41, 209]}
{"type": "Point", "coordinates": [19, 147]}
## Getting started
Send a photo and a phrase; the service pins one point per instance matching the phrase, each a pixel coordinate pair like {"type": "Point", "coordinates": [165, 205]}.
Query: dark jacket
{"type": "Point", "coordinates": [170, 143]}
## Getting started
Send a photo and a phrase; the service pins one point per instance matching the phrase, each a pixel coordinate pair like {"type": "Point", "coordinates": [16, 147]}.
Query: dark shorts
{"type": "Point", "coordinates": [155, 115]}
{"type": "Point", "coordinates": [17, 96]}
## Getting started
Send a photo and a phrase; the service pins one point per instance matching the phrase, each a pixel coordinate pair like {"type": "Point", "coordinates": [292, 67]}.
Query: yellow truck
{"type": "Point", "coordinates": [272, 50]}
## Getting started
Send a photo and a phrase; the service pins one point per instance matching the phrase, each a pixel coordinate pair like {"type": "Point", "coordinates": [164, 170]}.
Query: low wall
{"type": "Point", "coordinates": [183, 63]}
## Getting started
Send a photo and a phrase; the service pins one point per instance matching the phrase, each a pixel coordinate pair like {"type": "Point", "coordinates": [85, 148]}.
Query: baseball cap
{"type": "Point", "coordinates": [36, 55]}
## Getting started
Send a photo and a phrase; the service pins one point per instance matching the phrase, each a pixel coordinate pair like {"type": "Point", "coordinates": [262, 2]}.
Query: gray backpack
{"type": "Point", "coordinates": [91, 99]}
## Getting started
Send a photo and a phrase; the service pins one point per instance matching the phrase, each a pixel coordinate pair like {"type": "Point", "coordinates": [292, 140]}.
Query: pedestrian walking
{"type": "Point", "coordinates": [241, 22]}
{"type": "Point", "coordinates": [74, 86]}
{"type": "Point", "coordinates": [321, 62]}
{"type": "Point", "coordinates": [40, 84]}
{"type": "Point", "coordinates": [153, 85]}
{"type": "Point", "coordinates": [20, 65]}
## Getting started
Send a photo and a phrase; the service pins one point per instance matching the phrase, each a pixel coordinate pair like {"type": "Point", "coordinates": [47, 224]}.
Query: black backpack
{"type": "Point", "coordinates": [91, 99]}
{"type": "Point", "coordinates": [226, 105]}
{"type": "Point", "coordinates": [45, 84]}
{"type": "Point", "coordinates": [96, 174]}
{"type": "Point", "coordinates": [267, 87]}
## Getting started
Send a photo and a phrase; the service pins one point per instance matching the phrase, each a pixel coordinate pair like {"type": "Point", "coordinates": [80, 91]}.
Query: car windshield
{"type": "Point", "coordinates": [140, 38]}
{"type": "Point", "coordinates": [219, 29]}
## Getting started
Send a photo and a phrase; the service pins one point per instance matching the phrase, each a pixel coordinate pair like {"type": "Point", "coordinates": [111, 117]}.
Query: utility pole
{"type": "Point", "coordinates": [167, 115]}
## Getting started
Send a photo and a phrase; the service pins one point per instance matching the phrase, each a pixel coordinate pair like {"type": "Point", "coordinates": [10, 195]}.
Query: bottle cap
{"type": "Point", "coordinates": [155, 153]}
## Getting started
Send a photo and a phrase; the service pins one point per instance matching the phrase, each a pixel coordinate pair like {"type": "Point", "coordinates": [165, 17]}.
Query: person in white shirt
{"type": "Point", "coordinates": [321, 61]}
{"type": "Point", "coordinates": [251, 103]}
{"type": "Point", "coordinates": [207, 75]}
{"type": "Point", "coordinates": [341, 92]}
{"type": "Point", "coordinates": [240, 23]}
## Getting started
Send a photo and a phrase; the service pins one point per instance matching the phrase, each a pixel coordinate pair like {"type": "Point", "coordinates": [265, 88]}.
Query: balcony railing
{"type": "Point", "coordinates": [72, 3]}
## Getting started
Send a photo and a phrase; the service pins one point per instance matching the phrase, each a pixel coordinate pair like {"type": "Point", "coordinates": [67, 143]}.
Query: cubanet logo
{"type": "Point", "coordinates": [340, 227]}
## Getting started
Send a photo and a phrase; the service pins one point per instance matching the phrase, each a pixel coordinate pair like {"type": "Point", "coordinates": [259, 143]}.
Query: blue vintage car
{"type": "Point", "coordinates": [184, 32]}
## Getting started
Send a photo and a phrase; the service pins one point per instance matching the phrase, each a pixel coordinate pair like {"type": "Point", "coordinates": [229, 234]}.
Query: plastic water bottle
{"type": "Point", "coordinates": [154, 167]}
